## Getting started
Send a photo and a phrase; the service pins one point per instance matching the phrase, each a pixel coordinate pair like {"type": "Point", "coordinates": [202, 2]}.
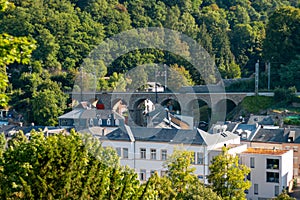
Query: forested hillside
{"type": "Point", "coordinates": [236, 33]}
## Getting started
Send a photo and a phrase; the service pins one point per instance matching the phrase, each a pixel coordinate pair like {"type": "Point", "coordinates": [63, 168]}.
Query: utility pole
{"type": "Point", "coordinates": [156, 97]}
{"type": "Point", "coordinates": [81, 87]}
{"type": "Point", "coordinates": [166, 77]}
{"type": "Point", "coordinates": [256, 77]}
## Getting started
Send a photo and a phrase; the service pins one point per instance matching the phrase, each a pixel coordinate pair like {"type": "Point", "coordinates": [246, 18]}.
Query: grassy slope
{"type": "Point", "coordinates": [251, 105]}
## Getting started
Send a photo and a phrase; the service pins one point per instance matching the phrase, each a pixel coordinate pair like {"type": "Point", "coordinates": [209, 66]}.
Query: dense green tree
{"type": "Point", "coordinates": [113, 15]}
{"type": "Point", "coordinates": [71, 166]}
{"type": "Point", "coordinates": [282, 43]}
{"type": "Point", "coordinates": [180, 182]}
{"type": "Point", "coordinates": [178, 77]}
{"type": "Point", "coordinates": [227, 176]}
{"type": "Point", "coordinates": [12, 49]}
{"type": "Point", "coordinates": [290, 74]}
{"type": "Point", "coordinates": [47, 106]}
{"type": "Point", "coordinates": [238, 15]}
{"type": "Point", "coordinates": [138, 13]}
{"type": "Point", "coordinates": [137, 78]}
{"type": "Point", "coordinates": [233, 32]}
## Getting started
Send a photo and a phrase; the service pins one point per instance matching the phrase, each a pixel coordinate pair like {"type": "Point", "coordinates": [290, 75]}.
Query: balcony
{"type": "Point", "coordinates": [273, 164]}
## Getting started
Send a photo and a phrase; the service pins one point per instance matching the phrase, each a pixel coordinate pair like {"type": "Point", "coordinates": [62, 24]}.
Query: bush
{"type": "Point", "coordinates": [241, 86]}
{"type": "Point", "coordinates": [285, 95]}
{"type": "Point", "coordinates": [292, 120]}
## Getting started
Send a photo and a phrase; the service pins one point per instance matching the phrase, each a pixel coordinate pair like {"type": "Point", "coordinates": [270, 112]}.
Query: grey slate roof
{"type": "Point", "coordinates": [173, 136]}
{"type": "Point", "coordinates": [167, 135]}
{"type": "Point", "coordinates": [118, 134]}
{"type": "Point", "coordinates": [90, 113]}
{"type": "Point", "coordinates": [271, 135]}
{"type": "Point", "coordinates": [156, 135]}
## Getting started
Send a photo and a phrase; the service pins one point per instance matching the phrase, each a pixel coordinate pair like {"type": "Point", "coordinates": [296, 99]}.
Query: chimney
{"type": "Point", "coordinates": [291, 137]}
{"type": "Point", "coordinates": [104, 131]}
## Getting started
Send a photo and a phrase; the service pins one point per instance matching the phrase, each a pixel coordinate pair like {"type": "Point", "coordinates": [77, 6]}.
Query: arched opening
{"type": "Point", "coordinates": [225, 106]}
{"type": "Point", "coordinates": [201, 113]}
{"type": "Point", "coordinates": [140, 110]}
{"type": "Point", "coordinates": [172, 105]}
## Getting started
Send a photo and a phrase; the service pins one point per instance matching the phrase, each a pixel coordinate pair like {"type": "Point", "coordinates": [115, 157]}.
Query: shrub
{"type": "Point", "coordinates": [285, 95]}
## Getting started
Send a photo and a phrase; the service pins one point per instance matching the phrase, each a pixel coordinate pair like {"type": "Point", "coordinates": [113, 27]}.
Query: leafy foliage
{"type": "Point", "coordinates": [180, 182]}
{"type": "Point", "coordinates": [63, 167]}
{"type": "Point", "coordinates": [281, 45]}
{"type": "Point", "coordinates": [76, 166]}
{"type": "Point", "coordinates": [284, 196]}
{"type": "Point", "coordinates": [227, 176]}
{"type": "Point", "coordinates": [236, 34]}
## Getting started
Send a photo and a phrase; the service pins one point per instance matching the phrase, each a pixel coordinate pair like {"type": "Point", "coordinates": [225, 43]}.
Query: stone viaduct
{"type": "Point", "coordinates": [216, 101]}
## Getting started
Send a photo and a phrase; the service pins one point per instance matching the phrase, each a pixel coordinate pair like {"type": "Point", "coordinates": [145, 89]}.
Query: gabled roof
{"type": "Point", "coordinates": [174, 136]}
{"type": "Point", "coordinates": [167, 135]}
{"type": "Point", "coordinates": [171, 136]}
{"type": "Point", "coordinates": [213, 139]}
{"type": "Point", "coordinates": [120, 134]}
{"type": "Point", "coordinates": [249, 129]}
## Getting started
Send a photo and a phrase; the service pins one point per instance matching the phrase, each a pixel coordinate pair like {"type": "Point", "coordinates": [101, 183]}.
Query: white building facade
{"type": "Point", "coordinates": [146, 149]}
{"type": "Point", "coordinates": [271, 172]}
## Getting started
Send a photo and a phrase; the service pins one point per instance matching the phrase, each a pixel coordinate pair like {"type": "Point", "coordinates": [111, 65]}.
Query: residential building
{"type": "Point", "coordinates": [268, 137]}
{"type": "Point", "coordinates": [271, 172]}
{"type": "Point", "coordinates": [81, 118]}
{"type": "Point", "coordinates": [146, 149]}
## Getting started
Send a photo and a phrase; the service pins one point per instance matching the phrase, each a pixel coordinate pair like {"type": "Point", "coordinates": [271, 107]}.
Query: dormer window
{"type": "Point", "coordinates": [99, 122]}
{"type": "Point", "coordinates": [108, 122]}
{"type": "Point", "coordinates": [91, 122]}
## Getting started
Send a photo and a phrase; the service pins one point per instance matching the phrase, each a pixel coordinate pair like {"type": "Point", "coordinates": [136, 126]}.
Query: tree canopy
{"type": "Point", "coordinates": [236, 34]}
{"type": "Point", "coordinates": [227, 176]}
{"type": "Point", "coordinates": [76, 166]}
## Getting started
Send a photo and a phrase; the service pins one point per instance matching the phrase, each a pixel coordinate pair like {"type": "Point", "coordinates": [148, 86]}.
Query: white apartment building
{"type": "Point", "coordinates": [146, 149]}
{"type": "Point", "coordinates": [271, 172]}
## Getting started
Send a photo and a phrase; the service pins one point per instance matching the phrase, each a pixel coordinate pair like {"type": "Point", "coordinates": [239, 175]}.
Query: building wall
{"type": "Point", "coordinates": [259, 174]}
{"type": "Point", "coordinates": [148, 165]}
{"type": "Point", "coordinates": [296, 159]}
{"type": "Point", "coordinates": [284, 146]}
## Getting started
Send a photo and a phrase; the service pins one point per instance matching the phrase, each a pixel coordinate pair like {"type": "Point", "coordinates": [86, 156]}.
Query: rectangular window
{"type": "Point", "coordinates": [272, 177]}
{"type": "Point", "coordinates": [143, 153]}
{"type": "Point", "coordinates": [252, 162]}
{"type": "Point", "coordinates": [153, 154]}
{"type": "Point", "coordinates": [249, 177]}
{"type": "Point", "coordinates": [295, 148]}
{"type": "Point", "coordinates": [164, 154]}
{"type": "Point", "coordinates": [255, 188]}
{"type": "Point", "coordinates": [118, 149]}
{"type": "Point", "coordinates": [143, 175]}
{"type": "Point", "coordinates": [272, 163]}
{"type": "Point", "coordinates": [276, 190]}
{"type": "Point", "coordinates": [125, 152]}
{"type": "Point", "coordinates": [152, 172]}
{"type": "Point", "coordinates": [199, 158]}
{"type": "Point", "coordinates": [193, 158]}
